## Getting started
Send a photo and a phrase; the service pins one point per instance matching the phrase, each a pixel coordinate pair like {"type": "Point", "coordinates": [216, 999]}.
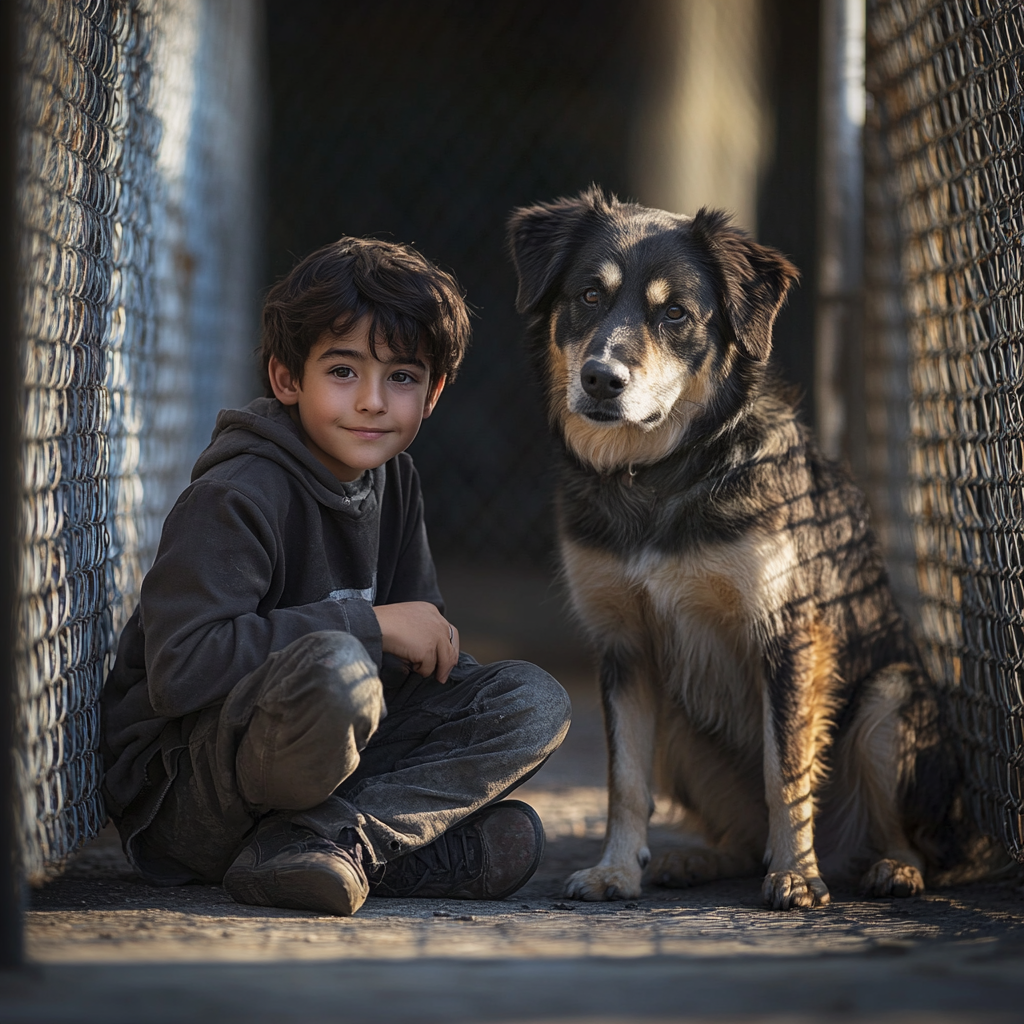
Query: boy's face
{"type": "Point", "coordinates": [356, 411]}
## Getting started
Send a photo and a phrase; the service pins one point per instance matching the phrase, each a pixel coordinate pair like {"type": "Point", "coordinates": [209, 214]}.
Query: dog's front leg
{"type": "Point", "coordinates": [629, 718]}
{"type": "Point", "coordinates": [797, 704]}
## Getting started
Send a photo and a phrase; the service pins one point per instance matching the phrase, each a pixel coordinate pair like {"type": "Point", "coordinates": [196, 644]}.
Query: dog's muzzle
{"type": "Point", "coordinates": [604, 380]}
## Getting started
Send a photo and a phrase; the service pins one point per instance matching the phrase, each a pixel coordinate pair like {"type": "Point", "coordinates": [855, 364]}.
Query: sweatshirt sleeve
{"type": "Point", "coordinates": [202, 602]}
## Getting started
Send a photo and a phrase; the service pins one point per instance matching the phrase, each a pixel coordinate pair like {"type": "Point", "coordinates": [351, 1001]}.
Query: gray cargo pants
{"type": "Point", "coordinates": [315, 733]}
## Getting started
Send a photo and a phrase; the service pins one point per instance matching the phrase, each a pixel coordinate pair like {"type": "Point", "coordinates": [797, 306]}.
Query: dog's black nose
{"type": "Point", "coordinates": [603, 380]}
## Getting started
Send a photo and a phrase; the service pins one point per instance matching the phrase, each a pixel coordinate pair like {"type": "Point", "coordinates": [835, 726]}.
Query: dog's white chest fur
{"type": "Point", "coordinates": [701, 619]}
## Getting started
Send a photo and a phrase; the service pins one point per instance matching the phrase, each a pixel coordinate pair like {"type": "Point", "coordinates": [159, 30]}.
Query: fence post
{"type": "Point", "coordinates": [10, 882]}
{"type": "Point", "coordinates": [839, 369]}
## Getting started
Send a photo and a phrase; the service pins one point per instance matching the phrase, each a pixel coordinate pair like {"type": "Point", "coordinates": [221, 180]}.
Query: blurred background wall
{"type": "Point", "coordinates": [428, 123]}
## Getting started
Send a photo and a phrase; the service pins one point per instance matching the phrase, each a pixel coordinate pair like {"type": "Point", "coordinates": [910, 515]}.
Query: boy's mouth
{"type": "Point", "coordinates": [367, 435]}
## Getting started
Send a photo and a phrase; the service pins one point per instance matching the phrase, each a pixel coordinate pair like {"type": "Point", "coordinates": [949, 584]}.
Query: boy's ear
{"type": "Point", "coordinates": [755, 279]}
{"type": "Point", "coordinates": [286, 389]}
{"type": "Point", "coordinates": [433, 395]}
{"type": "Point", "coordinates": [540, 239]}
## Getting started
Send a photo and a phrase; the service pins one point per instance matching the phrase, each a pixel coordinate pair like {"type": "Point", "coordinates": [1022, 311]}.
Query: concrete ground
{"type": "Point", "coordinates": [104, 947]}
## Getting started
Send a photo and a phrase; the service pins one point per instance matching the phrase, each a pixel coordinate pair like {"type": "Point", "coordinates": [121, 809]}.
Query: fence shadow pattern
{"type": "Point", "coordinates": [946, 209]}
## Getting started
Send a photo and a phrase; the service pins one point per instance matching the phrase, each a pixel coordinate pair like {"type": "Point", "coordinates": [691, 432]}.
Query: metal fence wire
{"type": "Point", "coordinates": [111, 178]}
{"type": "Point", "coordinates": [945, 147]}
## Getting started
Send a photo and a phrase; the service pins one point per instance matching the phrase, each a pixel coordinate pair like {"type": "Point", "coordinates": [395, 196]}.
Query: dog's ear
{"type": "Point", "coordinates": [541, 237]}
{"type": "Point", "coordinates": [755, 279]}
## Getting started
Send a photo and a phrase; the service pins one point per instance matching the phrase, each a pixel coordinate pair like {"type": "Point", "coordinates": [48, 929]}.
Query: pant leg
{"type": "Point", "coordinates": [445, 750]}
{"type": "Point", "coordinates": [284, 739]}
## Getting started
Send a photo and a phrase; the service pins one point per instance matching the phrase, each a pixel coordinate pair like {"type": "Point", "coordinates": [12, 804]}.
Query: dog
{"type": "Point", "coordinates": [750, 649]}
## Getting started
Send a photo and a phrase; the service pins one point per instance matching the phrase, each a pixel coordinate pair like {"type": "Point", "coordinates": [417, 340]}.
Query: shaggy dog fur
{"type": "Point", "coordinates": [750, 649]}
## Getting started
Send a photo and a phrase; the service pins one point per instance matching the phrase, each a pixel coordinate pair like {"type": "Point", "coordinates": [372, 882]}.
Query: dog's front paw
{"type": "Point", "coordinates": [890, 877]}
{"type": "Point", "coordinates": [604, 883]}
{"type": "Point", "coordinates": [786, 890]}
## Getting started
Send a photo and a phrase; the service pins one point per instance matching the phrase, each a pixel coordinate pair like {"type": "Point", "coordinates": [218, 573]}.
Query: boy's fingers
{"type": "Point", "coordinates": [448, 654]}
{"type": "Point", "coordinates": [444, 663]}
{"type": "Point", "coordinates": [429, 665]}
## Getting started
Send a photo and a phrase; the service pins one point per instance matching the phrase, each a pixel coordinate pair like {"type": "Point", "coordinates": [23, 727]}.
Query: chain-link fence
{"type": "Point", "coordinates": [946, 221]}
{"type": "Point", "coordinates": [122, 200]}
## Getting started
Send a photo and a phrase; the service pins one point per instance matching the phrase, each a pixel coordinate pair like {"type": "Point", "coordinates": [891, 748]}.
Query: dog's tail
{"type": "Point", "coordinates": [937, 801]}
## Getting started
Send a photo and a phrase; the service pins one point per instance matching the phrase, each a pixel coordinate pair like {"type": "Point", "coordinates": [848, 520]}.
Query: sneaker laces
{"type": "Point", "coordinates": [453, 857]}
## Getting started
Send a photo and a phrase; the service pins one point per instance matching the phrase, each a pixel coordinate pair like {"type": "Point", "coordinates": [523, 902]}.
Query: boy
{"type": "Point", "coordinates": [289, 712]}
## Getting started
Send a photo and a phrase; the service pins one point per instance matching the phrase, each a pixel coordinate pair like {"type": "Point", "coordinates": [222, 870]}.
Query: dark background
{"type": "Point", "coordinates": [428, 122]}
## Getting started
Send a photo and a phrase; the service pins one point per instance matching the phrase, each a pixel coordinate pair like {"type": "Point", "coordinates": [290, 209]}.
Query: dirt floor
{"type": "Point", "coordinates": [104, 947]}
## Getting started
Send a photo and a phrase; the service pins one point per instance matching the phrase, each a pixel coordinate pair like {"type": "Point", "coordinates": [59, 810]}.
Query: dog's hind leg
{"type": "Point", "coordinates": [629, 714]}
{"type": "Point", "coordinates": [798, 705]}
{"type": "Point", "coordinates": [878, 758]}
{"type": "Point", "coordinates": [724, 792]}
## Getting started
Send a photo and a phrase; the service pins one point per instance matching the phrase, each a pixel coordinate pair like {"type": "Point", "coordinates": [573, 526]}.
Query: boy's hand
{"type": "Point", "coordinates": [418, 633]}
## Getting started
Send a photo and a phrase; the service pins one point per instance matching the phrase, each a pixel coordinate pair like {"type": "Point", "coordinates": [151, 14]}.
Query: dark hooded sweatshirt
{"type": "Point", "coordinates": [263, 547]}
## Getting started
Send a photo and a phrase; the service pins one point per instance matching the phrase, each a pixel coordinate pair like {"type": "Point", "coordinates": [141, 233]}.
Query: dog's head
{"type": "Point", "coordinates": [645, 323]}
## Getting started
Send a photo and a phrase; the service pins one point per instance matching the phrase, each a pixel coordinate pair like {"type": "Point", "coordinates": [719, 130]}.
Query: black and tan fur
{"type": "Point", "coordinates": [750, 650]}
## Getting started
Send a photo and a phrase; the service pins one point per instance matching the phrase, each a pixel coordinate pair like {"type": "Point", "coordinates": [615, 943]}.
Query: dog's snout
{"type": "Point", "coordinates": [604, 380]}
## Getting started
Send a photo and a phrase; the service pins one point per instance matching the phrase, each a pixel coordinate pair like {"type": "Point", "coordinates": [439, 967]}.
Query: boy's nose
{"type": "Point", "coordinates": [371, 396]}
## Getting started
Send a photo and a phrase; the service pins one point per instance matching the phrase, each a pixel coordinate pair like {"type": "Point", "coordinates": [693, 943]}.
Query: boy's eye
{"type": "Point", "coordinates": [342, 371]}
{"type": "Point", "coordinates": [403, 377]}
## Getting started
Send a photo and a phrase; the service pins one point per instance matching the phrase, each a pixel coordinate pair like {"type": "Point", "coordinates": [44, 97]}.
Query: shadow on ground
{"type": "Point", "coordinates": [105, 947]}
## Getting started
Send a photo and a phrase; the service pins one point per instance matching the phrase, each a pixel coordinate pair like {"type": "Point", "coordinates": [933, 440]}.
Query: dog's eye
{"type": "Point", "coordinates": [591, 296]}
{"type": "Point", "coordinates": [675, 313]}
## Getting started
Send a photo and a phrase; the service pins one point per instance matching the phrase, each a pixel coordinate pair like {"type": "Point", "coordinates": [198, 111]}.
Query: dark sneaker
{"type": "Point", "coordinates": [488, 856]}
{"type": "Point", "coordinates": [285, 865]}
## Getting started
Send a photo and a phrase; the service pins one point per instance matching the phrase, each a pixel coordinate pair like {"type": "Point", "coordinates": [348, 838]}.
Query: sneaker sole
{"type": "Point", "coordinates": [316, 887]}
{"type": "Point", "coordinates": [538, 833]}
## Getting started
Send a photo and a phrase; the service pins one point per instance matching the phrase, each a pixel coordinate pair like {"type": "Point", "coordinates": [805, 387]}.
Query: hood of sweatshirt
{"type": "Point", "coordinates": [265, 429]}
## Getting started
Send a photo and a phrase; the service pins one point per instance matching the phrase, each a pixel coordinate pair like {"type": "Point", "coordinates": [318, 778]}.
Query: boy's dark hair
{"type": "Point", "coordinates": [407, 298]}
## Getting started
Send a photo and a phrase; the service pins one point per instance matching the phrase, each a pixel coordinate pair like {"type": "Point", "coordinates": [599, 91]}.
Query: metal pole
{"type": "Point", "coordinates": [10, 875]}
{"type": "Point", "coordinates": [839, 366]}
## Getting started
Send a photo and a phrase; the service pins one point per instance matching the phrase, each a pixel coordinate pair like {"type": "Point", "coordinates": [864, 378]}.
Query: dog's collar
{"type": "Point", "coordinates": [624, 476]}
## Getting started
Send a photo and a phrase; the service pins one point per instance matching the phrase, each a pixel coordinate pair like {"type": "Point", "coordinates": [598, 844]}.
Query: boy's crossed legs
{"type": "Point", "coordinates": [303, 746]}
